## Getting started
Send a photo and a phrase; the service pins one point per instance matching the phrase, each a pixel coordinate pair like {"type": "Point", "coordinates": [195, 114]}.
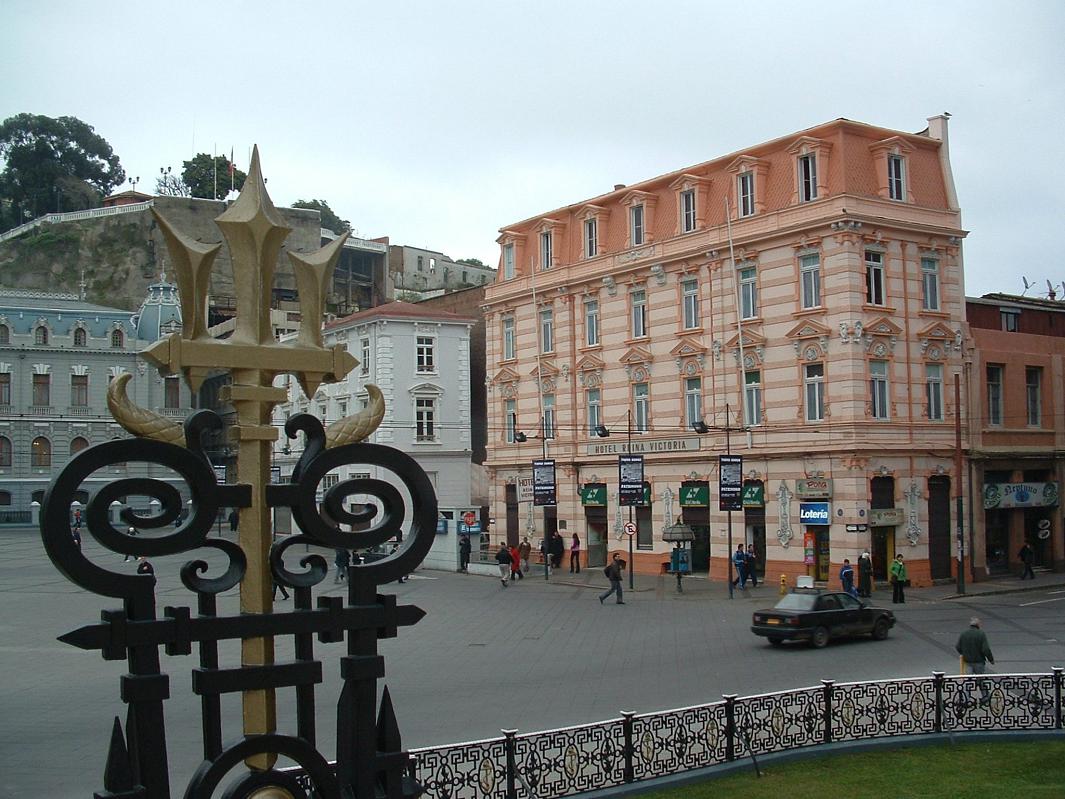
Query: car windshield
{"type": "Point", "coordinates": [796, 602]}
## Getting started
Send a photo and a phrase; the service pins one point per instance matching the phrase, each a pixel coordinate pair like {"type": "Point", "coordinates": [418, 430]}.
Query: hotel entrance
{"type": "Point", "coordinates": [593, 498]}
{"type": "Point", "coordinates": [695, 512]}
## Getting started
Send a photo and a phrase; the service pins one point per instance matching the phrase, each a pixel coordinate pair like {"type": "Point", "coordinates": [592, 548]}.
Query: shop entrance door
{"type": "Point", "coordinates": [997, 540]}
{"type": "Point", "coordinates": [596, 526]}
{"type": "Point", "coordinates": [699, 520]}
{"type": "Point", "coordinates": [883, 551]}
{"type": "Point", "coordinates": [756, 541]}
{"type": "Point", "coordinates": [822, 553]}
{"type": "Point", "coordinates": [939, 526]}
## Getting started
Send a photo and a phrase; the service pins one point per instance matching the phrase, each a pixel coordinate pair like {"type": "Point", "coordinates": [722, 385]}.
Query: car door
{"type": "Point", "coordinates": [829, 614]}
{"type": "Point", "coordinates": [851, 615]}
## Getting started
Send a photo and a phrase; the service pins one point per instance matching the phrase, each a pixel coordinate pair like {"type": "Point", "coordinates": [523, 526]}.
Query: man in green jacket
{"type": "Point", "coordinates": [976, 652]}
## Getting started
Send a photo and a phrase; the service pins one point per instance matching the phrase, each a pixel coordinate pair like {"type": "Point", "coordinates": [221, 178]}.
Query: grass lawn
{"type": "Point", "coordinates": [1026, 770]}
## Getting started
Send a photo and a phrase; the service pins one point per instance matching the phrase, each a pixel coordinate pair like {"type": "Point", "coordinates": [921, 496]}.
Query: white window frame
{"type": "Point", "coordinates": [510, 414]}
{"type": "Point", "coordinates": [594, 409]}
{"type": "Point", "coordinates": [930, 299]}
{"type": "Point", "coordinates": [896, 171]}
{"type": "Point", "coordinates": [508, 261]}
{"type": "Point", "coordinates": [745, 192]}
{"type": "Point", "coordinates": [689, 290]}
{"type": "Point", "coordinates": [425, 419]}
{"type": "Point", "coordinates": [810, 280]}
{"type": "Point", "coordinates": [807, 168]}
{"type": "Point", "coordinates": [693, 401]}
{"type": "Point", "coordinates": [641, 407]}
{"type": "Point", "coordinates": [813, 378]}
{"type": "Point", "coordinates": [425, 354]}
{"type": "Point", "coordinates": [879, 390]}
{"type": "Point", "coordinates": [748, 278]}
{"type": "Point", "coordinates": [591, 323]}
{"type": "Point", "coordinates": [875, 278]}
{"type": "Point", "coordinates": [365, 365]}
{"type": "Point", "coordinates": [994, 375]}
{"type": "Point", "coordinates": [591, 237]}
{"type": "Point", "coordinates": [687, 211]}
{"type": "Point", "coordinates": [547, 330]}
{"type": "Point", "coordinates": [508, 338]}
{"type": "Point", "coordinates": [638, 299]}
{"type": "Point", "coordinates": [549, 416]}
{"type": "Point", "coordinates": [637, 220]}
{"type": "Point", "coordinates": [752, 398]}
{"type": "Point", "coordinates": [545, 250]}
{"type": "Point", "coordinates": [1033, 395]}
{"type": "Point", "coordinates": [933, 375]}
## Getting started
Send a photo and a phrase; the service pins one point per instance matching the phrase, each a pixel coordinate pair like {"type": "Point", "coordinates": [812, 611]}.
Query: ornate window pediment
{"type": "Point", "coordinates": [426, 390]}
{"type": "Point", "coordinates": [753, 347]}
{"type": "Point", "coordinates": [687, 348]}
{"type": "Point", "coordinates": [590, 362]}
{"type": "Point", "coordinates": [810, 339]}
{"type": "Point", "coordinates": [635, 355]}
{"type": "Point", "coordinates": [590, 371]}
{"type": "Point", "coordinates": [937, 339]}
{"type": "Point", "coordinates": [881, 335]}
{"type": "Point", "coordinates": [506, 375]}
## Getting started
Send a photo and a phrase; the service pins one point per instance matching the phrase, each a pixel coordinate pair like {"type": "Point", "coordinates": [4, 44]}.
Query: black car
{"type": "Point", "coordinates": [817, 616]}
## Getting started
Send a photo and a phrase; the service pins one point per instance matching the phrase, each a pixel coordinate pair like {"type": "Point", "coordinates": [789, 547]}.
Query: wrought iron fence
{"type": "Point", "coordinates": [634, 747]}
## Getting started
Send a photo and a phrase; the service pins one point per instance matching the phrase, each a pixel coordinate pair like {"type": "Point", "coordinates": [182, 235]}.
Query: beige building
{"type": "Point", "coordinates": [819, 342]}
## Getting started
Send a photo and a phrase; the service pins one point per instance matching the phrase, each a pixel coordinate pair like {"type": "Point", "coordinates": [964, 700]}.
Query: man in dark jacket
{"type": "Point", "coordinates": [464, 553]}
{"type": "Point", "coordinates": [1027, 556]}
{"type": "Point", "coordinates": [613, 573]}
{"type": "Point", "coordinates": [976, 652]}
{"type": "Point", "coordinates": [557, 547]}
{"type": "Point", "coordinates": [504, 560]}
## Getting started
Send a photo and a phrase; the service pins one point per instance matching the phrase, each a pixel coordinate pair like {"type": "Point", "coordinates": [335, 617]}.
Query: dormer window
{"type": "Point", "coordinates": [807, 177]}
{"type": "Point", "coordinates": [508, 261]}
{"type": "Point", "coordinates": [40, 335]}
{"type": "Point", "coordinates": [745, 190]}
{"type": "Point", "coordinates": [896, 178]}
{"type": "Point", "coordinates": [79, 337]}
{"type": "Point", "coordinates": [117, 339]}
{"type": "Point", "coordinates": [636, 225]}
{"type": "Point", "coordinates": [545, 250]}
{"type": "Point", "coordinates": [5, 334]}
{"type": "Point", "coordinates": [687, 211]}
{"type": "Point", "coordinates": [591, 237]}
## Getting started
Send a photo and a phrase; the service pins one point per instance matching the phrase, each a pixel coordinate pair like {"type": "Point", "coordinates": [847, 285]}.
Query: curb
{"type": "Point", "coordinates": [1000, 591]}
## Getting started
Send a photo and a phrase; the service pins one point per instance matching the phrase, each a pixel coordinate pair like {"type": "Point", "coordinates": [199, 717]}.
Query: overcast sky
{"type": "Point", "coordinates": [437, 123]}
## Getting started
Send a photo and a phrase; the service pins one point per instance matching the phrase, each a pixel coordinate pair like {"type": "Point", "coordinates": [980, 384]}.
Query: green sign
{"type": "Point", "coordinates": [646, 494]}
{"type": "Point", "coordinates": [594, 494]}
{"type": "Point", "coordinates": [753, 495]}
{"type": "Point", "coordinates": [695, 496]}
{"type": "Point", "coordinates": [1020, 495]}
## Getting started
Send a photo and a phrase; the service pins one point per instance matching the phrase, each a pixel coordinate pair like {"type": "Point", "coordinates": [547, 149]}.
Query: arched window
{"type": "Point", "coordinates": [77, 445]}
{"type": "Point", "coordinates": [37, 496]}
{"type": "Point", "coordinates": [5, 452]}
{"type": "Point", "coordinates": [79, 337]}
{"type": "Point", "coordinates": [41, 453]}
{"type": "Point", "coordinates": [5, 335]}
{"type": "Point", "coordinates": [5, 497]}
{"type": "Point", "coordinates": [40, 335]}
{"type": "Point", "coordinates": [117, 338]}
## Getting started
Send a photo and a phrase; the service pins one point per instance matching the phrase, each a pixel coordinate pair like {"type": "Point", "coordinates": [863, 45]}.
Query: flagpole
{"type": "Point", "coordinates": [214, 163]}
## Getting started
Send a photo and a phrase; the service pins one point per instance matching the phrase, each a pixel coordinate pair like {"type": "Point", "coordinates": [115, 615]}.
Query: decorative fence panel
{"type": "Point", "coordinates": [679, 740]}
{"type": "Point", "coordinates": [861, 711]}
{"type": "Point", "coordinates": [476, 770]}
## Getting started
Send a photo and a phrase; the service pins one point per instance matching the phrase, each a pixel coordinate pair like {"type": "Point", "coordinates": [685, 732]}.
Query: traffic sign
{"type": "Point", "coordinates": [469, 517]}
{"type": "Point", "coordinates": [630, 528]}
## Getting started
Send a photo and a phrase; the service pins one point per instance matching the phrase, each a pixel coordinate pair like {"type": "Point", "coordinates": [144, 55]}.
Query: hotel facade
{"type": "Point", "coordinates": [799, 304]}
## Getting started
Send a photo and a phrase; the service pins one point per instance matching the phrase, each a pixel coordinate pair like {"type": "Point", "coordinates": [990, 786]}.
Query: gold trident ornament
{"type": "Point", "coordinates": [255, 233]}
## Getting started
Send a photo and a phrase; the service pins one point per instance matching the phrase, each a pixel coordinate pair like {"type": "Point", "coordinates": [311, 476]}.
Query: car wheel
{"type": "Point", "coordinates": [880, 629]}
{"type": "Point", "coordinates": [776, 641]}
{"type": "Point", "coordinates": [819, 638]}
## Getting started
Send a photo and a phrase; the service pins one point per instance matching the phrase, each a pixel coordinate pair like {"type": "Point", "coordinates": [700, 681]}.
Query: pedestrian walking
{"type": "Point", "coordinates": [77, 518]}
{"type": "Point", "coordinates": [1027, 557]}
{"type": "Point", "coordinates": [846, 577]}
{"type": "Point", "coordinates": [144, 566]}
{"type": "Point", "coordinates": [739, 561]}
{"type": "Point", "coordinates": [515, 564]}
{"type": "Point", "coordinates": [575, 555]}
{"type": "Point", "coordinates": [504, 560]}
{"type": "Point", "coordinates": [750, 563]}
{"type": "Point", "coordinates": [130, 531]}
{"type": "Point", "coordinates": [284, 592]}
{"type": "Point", "coordinates": [613, 573]}
{"type": "Point", "coordinates": [865, 574]}
{"type": "Point", "coordinates": [898, 581]}
{"type": "Point", "coordinates": [524, 551]}
{"type": "Point", "coordinates": [557, 547]}
{"type": "Point", "coordinates": [75, 533]}
{"type": "Point", "coordinates": [975, 653]}
{"type": "Point", "coordinates": [464, 554]}
{"type": "Point", "coordinates": [342, 559]}
{"type": "Point", "coordinates": [234, 520]}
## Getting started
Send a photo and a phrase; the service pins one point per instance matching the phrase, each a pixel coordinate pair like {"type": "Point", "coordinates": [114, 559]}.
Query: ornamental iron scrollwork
{"type": "Point", "coordinates": [398, 504]}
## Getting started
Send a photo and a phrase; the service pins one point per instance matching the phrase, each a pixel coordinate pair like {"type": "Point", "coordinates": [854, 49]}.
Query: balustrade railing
{"type": "Point", "coordinates": [635, 747]}
{"type": "Point", "coordinates": [69, 216]}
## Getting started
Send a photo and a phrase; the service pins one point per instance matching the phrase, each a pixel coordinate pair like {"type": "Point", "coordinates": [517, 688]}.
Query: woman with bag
{"type": "Point", "coordinates": [898, 581]}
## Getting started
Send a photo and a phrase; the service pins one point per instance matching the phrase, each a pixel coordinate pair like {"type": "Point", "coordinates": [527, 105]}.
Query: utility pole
{"type": "Point", "coordinates": [956, 485]}
{"type": "Point", "coordinates": [728, 451]}
{"type": "Point", "coordinates": [628, 451]}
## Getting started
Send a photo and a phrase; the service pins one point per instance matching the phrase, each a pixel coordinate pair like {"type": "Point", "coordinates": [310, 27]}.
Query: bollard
{"type": "Point", "coordinates": [783, 584]}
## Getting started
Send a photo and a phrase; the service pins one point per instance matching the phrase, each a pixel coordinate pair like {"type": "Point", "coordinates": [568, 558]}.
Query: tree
{"type": "Point", "coordinates": [209, 179]}
{"type": "Point", "coordinates": [472, 262]}
{"type": "Point", "coordinates": [53, 164]}
{"type": "Point", "coordinates": [330, 220]}
{"type": "Point", "coordinates": [169, 184]}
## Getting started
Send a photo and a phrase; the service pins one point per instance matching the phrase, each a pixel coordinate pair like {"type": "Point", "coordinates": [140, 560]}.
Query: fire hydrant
{"type": "Point", "coordinates": [783, 584]}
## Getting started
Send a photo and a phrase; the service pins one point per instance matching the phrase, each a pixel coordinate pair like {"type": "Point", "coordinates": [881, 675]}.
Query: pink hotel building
{"type": "Point", "coordinates": [821, 346]}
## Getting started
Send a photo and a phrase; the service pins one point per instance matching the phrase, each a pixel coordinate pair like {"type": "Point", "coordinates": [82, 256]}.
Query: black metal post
{"type": "Point", "coordinates": [826, 719]}
{"type": "Point", "coordinates": [937, 684]}
{"type": "Point", "coordinates": [628, 451]}
{"type": "Point", "coordinates": [956, 485]}
{"type": "Point", "coordinates": [728, 451]}
{"type": "Point", "coordinates": [547, 541]}
{"type": "Point", "coordinates": [730, 726]}
{"type": "Point", "coordinates": [510, 746]}
{"type": "Point", "coordinates": [629, 753]}
{"type": "Point", "coordinates": [1057, 696]}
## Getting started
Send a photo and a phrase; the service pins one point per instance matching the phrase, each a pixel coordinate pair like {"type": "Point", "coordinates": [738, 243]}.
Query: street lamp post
{"type": "Point", "coordinates": [602, 431]}
{"type": "Point", "coordinates": [702, 428]}
{"type": "Point", "coordinates": [521, 438]}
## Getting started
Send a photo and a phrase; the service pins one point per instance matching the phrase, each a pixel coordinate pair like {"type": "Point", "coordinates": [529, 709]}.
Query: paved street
{"type": "Point", "coordinates": [533, 656]}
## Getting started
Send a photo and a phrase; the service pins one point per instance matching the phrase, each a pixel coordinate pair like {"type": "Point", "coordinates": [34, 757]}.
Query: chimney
{"type": "Point", "coordinates": [619, 186]}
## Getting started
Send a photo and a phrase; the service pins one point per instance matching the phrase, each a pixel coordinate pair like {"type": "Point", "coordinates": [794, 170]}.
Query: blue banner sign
{"type": "Point", "coordinates": [814, 513]}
